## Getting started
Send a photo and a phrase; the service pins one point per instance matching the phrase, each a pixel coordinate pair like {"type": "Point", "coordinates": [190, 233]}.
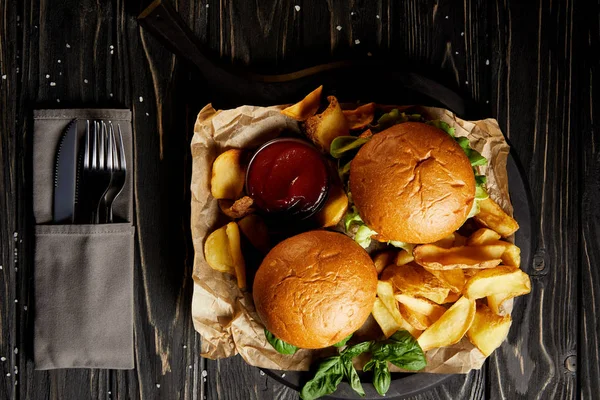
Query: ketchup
{"type": "Point", "coordinates": [287, 176]}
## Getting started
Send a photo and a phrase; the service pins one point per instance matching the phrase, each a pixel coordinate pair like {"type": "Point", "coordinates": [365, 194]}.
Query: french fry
{"type": "Point", "coordinates": [459, 240]}
{"type": "Point", "coordinates": [384, 258]}
{"type": "Point", "coordinates": [496, 302]}
{"type": "Point", "coordinates": [233, 234]}
{"type": "Point", "coordinates": [451, 298]}
{"type": "Point", "coordinates": [403, 257]}
{"type": "Point", "coordinates": [361, 116]}
{"type": "Point", "coordinates": [423, 306]}
{"type": "Point", "coordinates": [323, 128]}
{"type": "Point", "coordinates": [228, 175]}
{"type": "Point", "coordinates": [488, 330]}
{"type": "Point", "coordinates": [413, 280]}
{"type": "Point", "coordinates": [305, 108]}
{"type": "Point", "coordinates": [256, 231]}
{"type": "Point", "coordinates": [483, 236]}
{"type": "Point", "coordinates": [217, 252]}
{"type": "Point", "coordinates": [433, 257]}
{"type": "Point", "coordinates": [417, 320]}
{"type": "Point", "coordinates": [493, 216]}
{"type": "Point", "coordinates": [446, 242]}
{"type": "Point", "coordinates": [384, 318]}
{"type": "Point", "coordinates": [511, 255]}
{"type": "Point", "coordinates": [237, 209]}
{"type": "Point", "coordinates": [385, 293]}
{"type": "Point", "coordinates": [334, 208]}
{"type": "Point", "coordinates": [451, 327]}
{"type": "Point", "coordinates": [500, 280]}
{"type": "Point", "coordinates": [453, 278]}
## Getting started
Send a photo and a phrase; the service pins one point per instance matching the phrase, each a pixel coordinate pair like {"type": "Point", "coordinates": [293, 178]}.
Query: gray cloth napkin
{"type": "Point", "coordinates": [83, 274]}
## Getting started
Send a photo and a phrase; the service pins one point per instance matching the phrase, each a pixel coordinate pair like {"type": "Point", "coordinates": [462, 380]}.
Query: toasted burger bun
{"type": "Point", "coordinates": [412, 183]}
{"type": "Point", "coordinates": [314, 289]}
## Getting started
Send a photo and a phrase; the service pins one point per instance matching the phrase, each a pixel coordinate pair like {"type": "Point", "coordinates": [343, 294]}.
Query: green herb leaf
{"type": "Point", "coordinates": [394, 117]}
{"type": "Point", "coordinates": [279, 345]}
{"type": "Point", "coordinates": [343, 144]}
{"type": "Point", "coordinates": [443, 126]}
{"type": "Point", "coordinates": [344, 170]}
{"type": "Point", "coordinates": [352, 377]}
{"type": "Point", "coordinates": [330, 373]}
{"type": "Point", "coordinates": [404, 351]}
{"type": "Point", "coordinates": [352, 217]}
{"type": "Point", "coordinates": [356, 350]}
{"type": "Point", "coordinates": [381, 377]}
{"type": "Point", "coordinates": [363, 236]}
{"type": "Point", "coordinates": [480, 180]}
{"type": "Point", "coordinates": [343, 341]}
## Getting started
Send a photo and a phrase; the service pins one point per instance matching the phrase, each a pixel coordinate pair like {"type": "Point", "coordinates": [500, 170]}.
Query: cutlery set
{"type": "Point", "coordinates": [88, 178]}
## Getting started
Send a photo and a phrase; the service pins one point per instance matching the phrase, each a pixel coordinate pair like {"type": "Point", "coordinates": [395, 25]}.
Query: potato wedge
{"type": "Point", "coordinates": [233, 234]}
{"type": "Point", "coordinates": [434, 257]}
{"type": "Point", "coordinates": [256, 231]}
{"type": "Point", "coordinates": [384, 318]}
{"type": "Point", "coordinates": [323, 128]}
{"type": "Point", "coordinates": [483, 236]}
{"type": "Point", "coordinates": [500, 280]}
{"type": "Point", "coordinates": [228, 175]}
{"type": "Point", "coordinates": [384, 258]}
{"type": "Point", "coordinates": [488, 330]}
{"type": "Point", "coordinates": [361, 116]}
{"type": "Point", "coordinates": [512, 255]}
{"type": "Point", "coordinates": [496, 302]}
{"type": "Point", "coordinates": [452, 298]}
{"type": "Point", "coordinates": [493, 216]}
{"type": "Point", "coordinates": [453, 278]}
{"type": "Point", "coordinates": [334, 208]}
{"type": "Point", "coordinates": [413, 280]}
{"type": "Point", "coordinates": [459, 240]}
{"type": "Point", "coordinates": [423, 306]}
{"type": "Point", "coordinates": [305, 108]}
{"type": "Point", "coordinates": [237, 209]}
{"type": "Point", "coordinates": [403, 257]}
{"type": "Point", "coordinates": [417, 320]}
{"type": "Point", "coordinates": [446, 242]}
{"type": "Point", "coordinates": [451, 327]}
{"type": "Point", "coordinates": [385, 293]}
{"type": "Point", "coordinates": [217, 252]}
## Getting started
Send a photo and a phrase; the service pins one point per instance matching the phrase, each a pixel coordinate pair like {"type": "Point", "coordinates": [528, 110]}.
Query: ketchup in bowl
{"type": "Point", "coordinates": [287, 177]}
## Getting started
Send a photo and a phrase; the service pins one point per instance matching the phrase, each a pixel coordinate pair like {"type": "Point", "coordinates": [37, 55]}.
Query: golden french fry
{"type": "Point", "coordinates": [469, 272]}
{"type": "Point", "coordinates": [483, 236]}
{"type": "Point", "coordinates": [413, 280]}
{"type": "Point", "coordinates": [511, 255]}
{"type": "Point", "coordinates": [422, 306]}
{"type": "Point", "coordinates": [451, 327]}
{"type": "Point", "coordinates": [385, 292]}
{"type": "Point", "coordinates": [233, 234]}
{"type": "Point", "coordinates": [331, 123]}
{"type": "Point", "coordinates": [360, 117]}
{"type": "Point", "coordinates": [451, 298]}
{"type": "Point", "coordinates": [217, 252]}
{"type": "Point", "coordinates": [488, 330]}
{"type": "Point", "coordinates": [256, 231]}
{"type": "Point", "coordinates": [433, 257]}
{"type": "Point", "coordinates": [237, 209]}
{"type": "Point", "coordinates": [453, 278]}
{"type": "Point", "coordinates": [500, 280]}
{"type": "Point", "coordinates": [384, 258]}
{"type": "Point", "coordinates": [417, 320]}
{"type": "Point", "coordinates": [446, 242]}
{"type": "Point", "coordinates": [384, 318]}
{"type": "Point", "coordinates": [403, 257]}
{"type": "Point", "coordinates": [459, 240]}
{"type": "Point", "coordinates": [496, 302]}
{"type": "Point", "coordinates": [305, 108]}
{"type": "Point", "coordinates": [493, 216]}
{"type": "Point", "coordinates": [228, 175]}
{"type": "Point", "coordinates": [334, 208]}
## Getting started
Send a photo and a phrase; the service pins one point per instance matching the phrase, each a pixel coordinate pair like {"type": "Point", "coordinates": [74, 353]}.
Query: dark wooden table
{"type": "Point", "coordinates": [532, 65]}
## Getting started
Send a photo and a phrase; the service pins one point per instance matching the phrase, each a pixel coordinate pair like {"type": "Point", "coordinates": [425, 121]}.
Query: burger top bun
{"type": "Point", "coordinates": [314, 289]}
{"type": "Point", "coordinates": [412, 183]}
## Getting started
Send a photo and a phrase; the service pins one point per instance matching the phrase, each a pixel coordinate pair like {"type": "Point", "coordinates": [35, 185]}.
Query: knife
{"type": "Point", "coordinates": [65, 176]}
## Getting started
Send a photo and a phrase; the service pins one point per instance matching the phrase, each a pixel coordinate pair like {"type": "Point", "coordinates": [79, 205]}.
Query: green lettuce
{"type": "Point", "coordinates": [341, 145]}
{"type": "Point", "coordinates": [394, 117]}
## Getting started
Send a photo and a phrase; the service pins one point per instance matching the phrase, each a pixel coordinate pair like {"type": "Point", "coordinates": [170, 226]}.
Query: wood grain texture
{"type": "Point", "coordinates": [531, 65]}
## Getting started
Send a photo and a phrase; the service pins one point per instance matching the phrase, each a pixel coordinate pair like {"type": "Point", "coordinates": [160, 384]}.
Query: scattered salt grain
{"type": "Point", "coordinates": [8, 374]}
{"type": "Point", "coordinates": [111, 47]}
{"type": "Point", "coordinates": [352, 13]}
{"type": "Point", "coordinates": [111, 95]}
{"type": "Point", "coordinates": [208, 5]}
{"type": "Point", "coordinates": [204, 379]}
{"type": "Point", "coordinates": [357, 41]}
{"type": "Point", "coordinates": [85, 81]}
{"type": "Point", "coordinates": [297, 8]}
{"type": "Point", "coordinates": [262, 373]}
{"type": "Point", "coordinates": [190, 367]}
{"type": "Point", "coordinates": [16, 350]}
{"type": "Point", "coordinates": [456, 52]}
{"type": "Point", "coordinates": [47, 76]}
{"type": "Point", "coordinates": [339, 28]}
{"type": "Point", "coordinates": [204, 373]}
{"type": "Point", "coordinates": [52, 83]}
{"type": "Point", "coordinates": [25, 308]}
{"type": "Point", "coordinates": [68, 46]}
{"type": "Point", "coordinates": [59, 61]}
{"type": "Point", "coordinates": [487, 102]}
{"type": "Point", "coordinates": [4, 77]}
{"type": "Point", "coordinates": [58, 100]}
{"type": "Point", "coordinates": [141, 99]}
{"type": "Point", "coordinates": [446, 17]}
{"type": "Point", "coordinates": [462, 34]}
{"type": "Point", "coordinates": [112, 52]}
{"type": "Point", "coordinates": [487, 62]}
{"type": "Point", "coordinates": [184, 346]}
{"type": "Point", "coordinates": [466, 82]}
{"type": "Point", "coordinates": [283, 375]}
{"type": "Point", "coordinates": [2, 359]}
{"type": "Point", "coordinates": [158, 385]}
{"type": "Point", "coordinates": [377, 16]}
{"type": "Point", "coordinates": [16, 300]}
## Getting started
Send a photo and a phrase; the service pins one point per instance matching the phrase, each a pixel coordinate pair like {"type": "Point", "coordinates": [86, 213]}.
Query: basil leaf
{"type": "Point", "coordinates": [352, 217]}
{"type": "Point", "coordinates": [343, 341]}
{"type": "Point", "coordinates": [279, 345]}
{"type": "Point", "coordinates": [352, 377]}
{"type": "Point", "coordinates": [369, 365]}
{"type": "Point", "coordinates": [357, 349]}
{"type": "Point", "coordinates": [381, 378]}
{"type": "Point", "coordinates": [363, 236]}
{"type": "Point", "coordinates": [343, 144]}
{"type": "Point", "coordinates": [443, 126]}
{"type": "Point", "coordinates": [404, 351]}
{"type": "Point", "coordinates": [330, 373]}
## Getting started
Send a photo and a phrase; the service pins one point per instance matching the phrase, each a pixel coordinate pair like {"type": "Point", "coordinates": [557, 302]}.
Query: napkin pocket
{"type": "Point", "coordinates": [83, 296]}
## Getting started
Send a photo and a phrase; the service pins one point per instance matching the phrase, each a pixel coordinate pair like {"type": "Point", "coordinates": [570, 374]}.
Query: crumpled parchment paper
{"type": "Point", "coordinates": [223, 314]}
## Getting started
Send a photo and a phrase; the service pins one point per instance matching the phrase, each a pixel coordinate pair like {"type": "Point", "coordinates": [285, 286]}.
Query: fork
{"type": "Point", "coordinates": [118, 167]}
{"type": "Point", "coordinates": [96, 170]}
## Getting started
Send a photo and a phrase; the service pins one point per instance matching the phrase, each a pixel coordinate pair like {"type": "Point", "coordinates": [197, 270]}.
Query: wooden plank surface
{"type": "Point", "coordinates": [531, 65]}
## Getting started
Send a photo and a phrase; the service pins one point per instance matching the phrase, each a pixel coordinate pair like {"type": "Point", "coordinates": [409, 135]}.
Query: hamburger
{"type": "Point", "coordinates": [412, 183]}
{"type": "Point", "coordinates": [315, 289]}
